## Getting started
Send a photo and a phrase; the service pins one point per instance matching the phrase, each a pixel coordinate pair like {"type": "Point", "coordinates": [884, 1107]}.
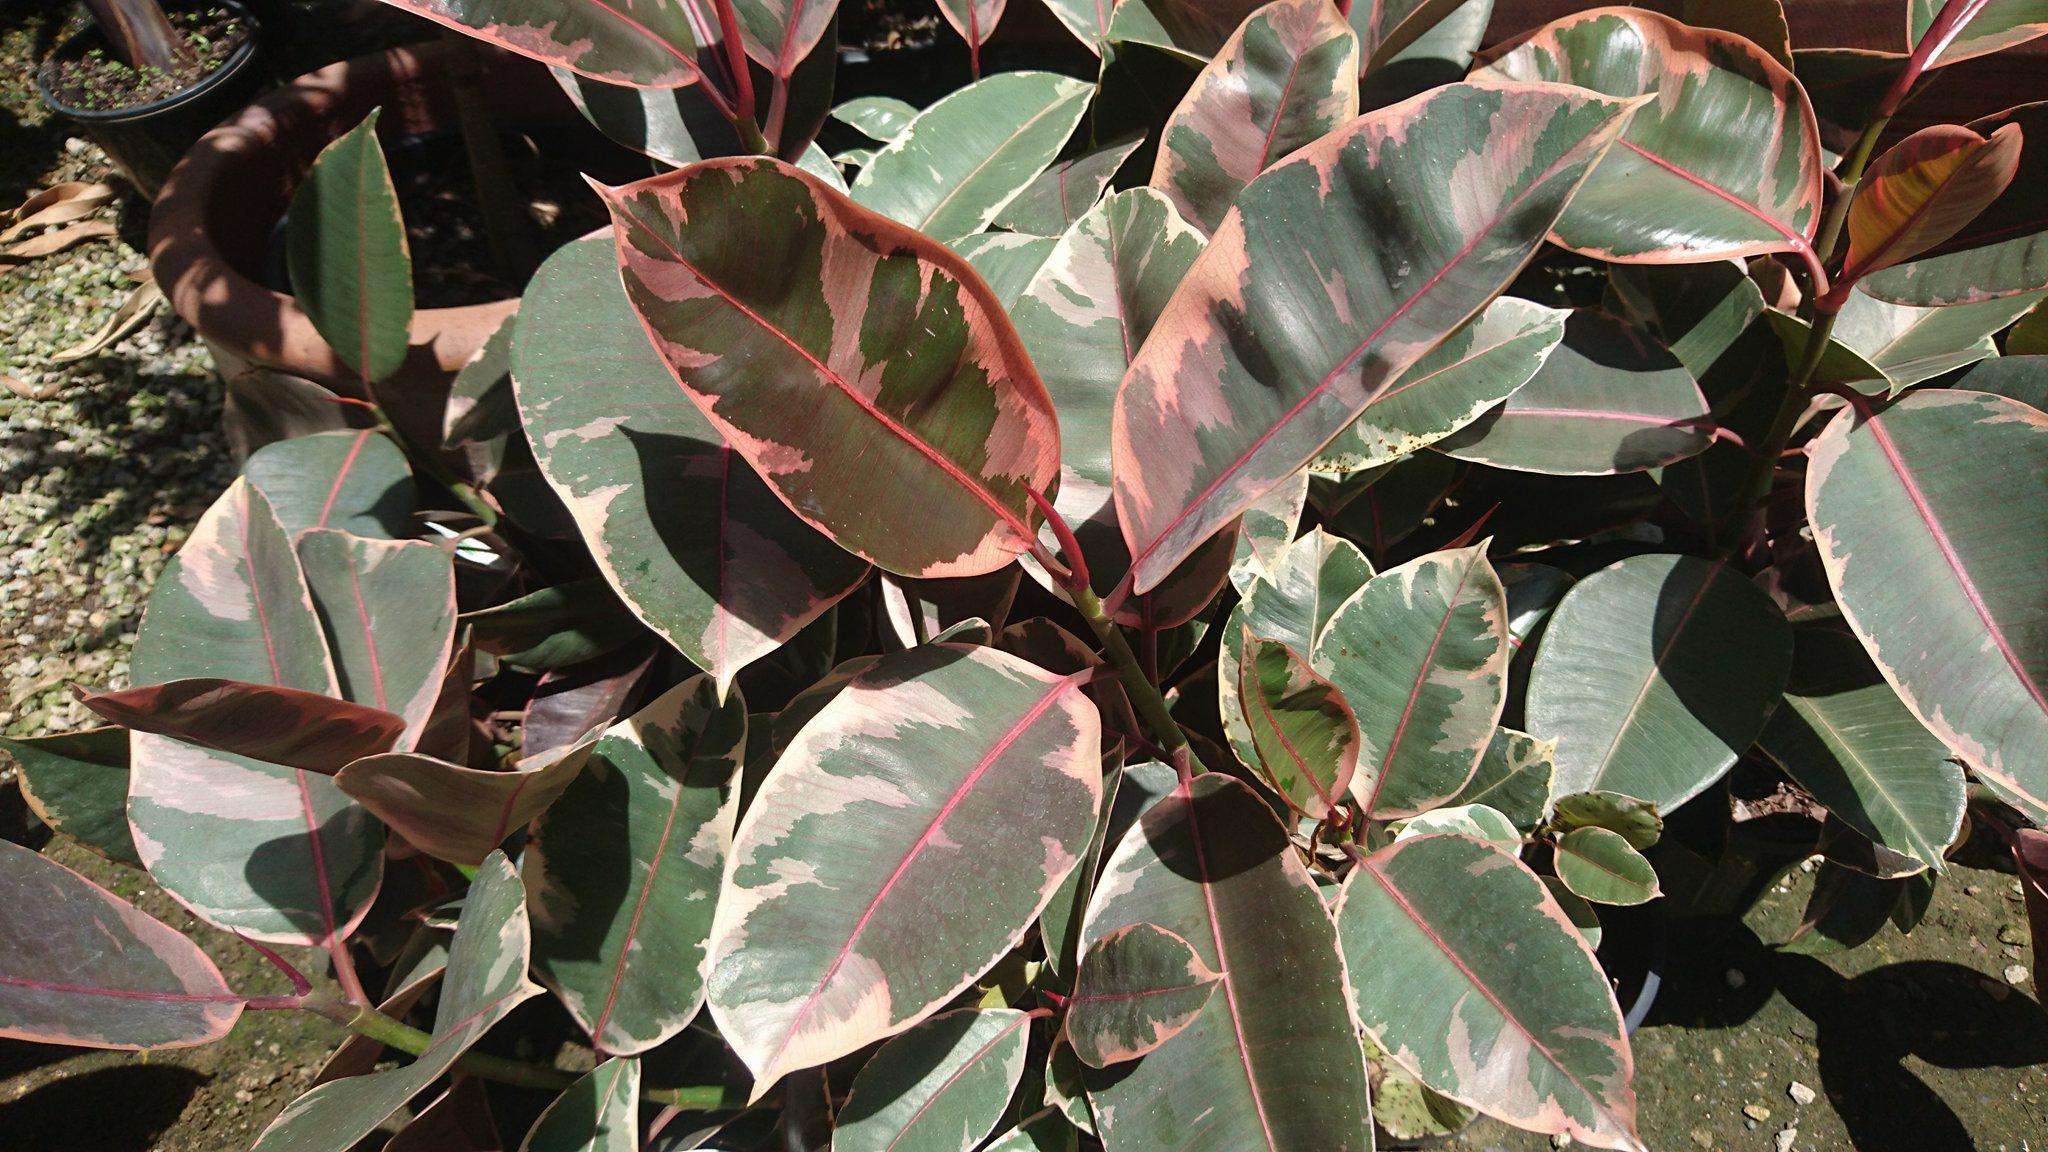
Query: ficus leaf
{"type": "Point", "coordinates": [1513, 776]}
{"type": "Point", "coordinates": [2002, 251]}
{"type": "Point", "coordinates": [306, 730]}
{"type": "Point", "coordinates": [927, 476]}
{"type": "Point", "coordinates": [1274, 383]}
{"type": "Point", "coordinates": [1600, 865]}
{"type": "Point", "coordinates": [1923, 191]}
{"type": "Point", "coordinates": [454, 812]}
{"type": "Point", "coordinates": [1137, 987]}
{"type": "Point", "coordinates": [1285, 77]}
{"type": "Point", "coordinates": [653, 47]}
{"type": "Point", "coordinates": [940, 1086]}
{"type": "Point", "coordinates": [1530, 1034]}
{"type": "Point", "coordinates": [1063, 193]}
{"type": "Point", "coordinates": [935, 804]}
{"type": "Point", "coordinates": [355, 480]}
{"type": "Point", "coordinates": [1725, 162]}
{"type": "Point", "coordinates": [600, 1112]}
{"type": "Point", "coordinates": [350, 266]}
{"type": "Point", "coordinates": [80, 967]}
{"type": "Point", "coordinates": [1937, 569]}
{"type": "Point", "coordinates": [77, 783]}
{"type": "Point", "coordinates": [1306, 735]}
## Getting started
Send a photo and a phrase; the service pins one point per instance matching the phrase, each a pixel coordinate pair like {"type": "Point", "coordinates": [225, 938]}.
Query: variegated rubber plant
{"type": "Point", "coordinates": [1096, 619]}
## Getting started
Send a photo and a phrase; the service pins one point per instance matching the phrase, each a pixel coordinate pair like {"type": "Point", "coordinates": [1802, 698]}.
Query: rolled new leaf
{"type": "Point", "coordinates": [1136, 989]}
{"type": "Point", "coordinates": [901, 845]}
{"type": "Point", "coordinates": [646, 46]}
{"type": "Point", "coordinates": [351, 268]}
{"type": "Point", "coordinates": [1940, 569]}
{"type": "Point", "coordinates": [2003, 251]}
{"type": "Point", "coordinates": [1531, 1034]}
{"type": "Point", "coordinates": [307, 730]}
{"type": "Point", "coordinates": [1274, 381]}
{"type": "Point", "coordinates": [1923, 191]}
{"type": "Point", "coordinates": [1421, 655]}
{"type": "Point", "coordinates": [1724, 163]}
{"type": "Point", "coordinates": [486, 980]}
{"type": "Point", "coordinates": [864, 371]}
{"type": "Point", "coordinates": [940, 1086]}
{"type": "Point", "coordinates": [1288, 75]}
{"type": "Point", "coordinates": [1272, 1062]}
{"type": "Point", "coordinates": [79, 966]}
{"type": "Point", "coordinates": [1305, 733]}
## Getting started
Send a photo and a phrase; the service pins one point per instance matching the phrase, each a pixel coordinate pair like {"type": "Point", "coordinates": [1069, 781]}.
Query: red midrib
{"type": "Point", "coordinates": [1118, 997]}
{"type": "Point", "coordinates": [1352, 358]}
{"type": "Point", "coordinates": [945, 465]}
{"type": "Point", "coordinates": [455, 1029]}
{"type": "Point", "coordinates": [1657, 668]}
{"type": "Point", "coordinates": [122, 993]}
{"type": "Point", "coordinates": [1955, 563]}
{"type": "Point", "coordinates": [1595, 865]}
{"type": "Point", "coordinates": [1273, 723]}
{"type": "Point", "coordinates": [964, 181]}
{"type": "Point", "coordinates": [1279, 111]}
{"type": "Point", "coordinates": [1473, 977]}
{"type": "Point", "coordinates": [1798, 242]}
{"type": "Point", "coordinates": [355, 584]}
{"type": "Point", "coordinates": [1415, 689]}
{"type": "Point", "coordinates": [1244, 1051]}
{"type": "Point", "coordinates": [348, 463]}
{"type": "Point", "coordinates": [660, 857]}
{"type": "Point", "coordinates": [949, 1081]}
{"type": "Point", "coordinates": [1914, 217]}
{"type": "Point", "coordinates": [995, 753]}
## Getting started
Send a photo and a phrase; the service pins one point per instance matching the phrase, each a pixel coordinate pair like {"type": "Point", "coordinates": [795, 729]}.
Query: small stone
{"type": "Point", "coordinates": [2011, 934]}
{"type": "Point", "coordinates": [1716, 1054]}
{"type": "Point", "coordinates": [2016, 975]}
{"type": "Point", "coordinates": [1561, 1140]}
{"type": "Point", "coordinates": [1782, 1142]}
{"type": "Point", "coordinates": [1756, 1112]}
{"type": "Point", "coordinates": [1803, 1028]}
{"type": "Point", "coordinates": [1702, 1137]}
{"type": "Point", "coordinates": [1735, 978]}
{"type": "Point", "coordinates": [1800, 1093]}
{"type": "Point", "coordinates": [1972, 890]}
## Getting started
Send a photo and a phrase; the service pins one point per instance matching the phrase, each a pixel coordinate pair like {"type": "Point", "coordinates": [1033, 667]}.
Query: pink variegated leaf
{"type": "Point", "coordinates": [902, 844]}
{"type": "Point", "coordinates": [1423, 923]}
{"type": "Point", "coordinates": [765, 291]}
{"type": "Point", "coordinates": [1136, 989]}
{"type": "Point", "coordinates": [1288, 75]}
{"type": "Point", "coordinates": [454, 812]}
{"type": "Point", "coordinates": [974, 20]}
{"type": "Point", "coordinates": [2003, 250]}
{"type": "Point", "coordinates": [388, 607]}
{"type": "Point", "coordinates": [1240, 383]}
{"type": "Point", "coordinates": [1725, 162]}
{"type": "Point", "coordinates": [1923, 191]}
{"type": "Point", "coordinates": [79, 966]}
{"type": "Point", "coordinates": [644, 45]}
{"type": "Point", "coordinates": [1980, 28]}
{"type": "Point", "coordinates": [1306, 735]}
{"type": "Point", "coordinates": [305, 730]}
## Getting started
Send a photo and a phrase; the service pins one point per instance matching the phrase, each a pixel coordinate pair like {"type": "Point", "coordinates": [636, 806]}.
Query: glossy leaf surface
{"type": "Point", "coordinates": [1238, 386]}
{"type": "Point", "coordinates": [892, 385]}
{"type": "Point", "coordinates": [1287, 75]}
{"type": "Point", "coordinates": [654, 47]}
{"type": "Point", "coordinates": [1611, 398]}
{"type": "Point", "coordinates": [486, 979]}
{"type": "Point", "coordinates": [600, 1112]}
{"type": "Point", "coordinates": [1311, 580]}
{"type": "Point", "coordinates": [1656, 673]}
{"type": "Point", "coordinates": [962, 160]}
{"type": "Point", "coordinates": [1421, 655]}
{"type": "Point", "coordinates": [1272, 1062]}
{"type": "Point", "coordinates": [1474, 369]}
{"type": "Point", "coordinates": [77, 783]}
{"type": "Point", "coordinates": [1136, 989]}
{"type": "Point", "coordinates": [1513, 777]}
{"type": "Point", "coordinates": [453, 812]}
{"type": "Point", "coordinates": [233, 604]}
{"type": "Point", "coordinates": [1063, 193]}
{"type": "Point", "coordinates": [286, 726]}
{"type": "Point", "coordinates": [79, 966]}
{"type": "Point", "coordinates": [1724, 163]}
{"type": "Point", "coordinates": [388, 607]}
{"type": "Point", "coordinates": [1530, 1034]}
{"type": "Point", "coordinates": [1599, 865]}
{"type": "Point", "coordinates": [683, 529]}
{"type": "Point", "coordinates": [1306, 735]}
{"type": "Point", "coordinates": [942, 1085]}
{"type": "Point", "coordinates": [623, 867]}
{"type": "Point", "coordinates": [904, 806]}
{"type": "Point", "coordinates": [351, 270]}
{"type": "Point", "coordinates": [1987, 26]}
{"type": "Point", "coordinates": [1923, 191]}
{"type": "Point", "coordinates": [2003, 251]}
{"type": "Point", "coordinates": [1938, 569]}
{"type": "Point", "coordinates": [355, 480]}
{"type": "Point", "coordinates": [1006, 260]}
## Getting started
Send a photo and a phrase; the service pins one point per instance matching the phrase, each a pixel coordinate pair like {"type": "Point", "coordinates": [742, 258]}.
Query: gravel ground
{"type": "Point", "coordinates": [99, 484]}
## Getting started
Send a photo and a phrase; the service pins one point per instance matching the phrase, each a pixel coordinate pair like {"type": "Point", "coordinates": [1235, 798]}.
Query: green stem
{"type": "Point", "coordinates": [367, 1021]}
{"type": "Point", "coordinates": [1144, 695]}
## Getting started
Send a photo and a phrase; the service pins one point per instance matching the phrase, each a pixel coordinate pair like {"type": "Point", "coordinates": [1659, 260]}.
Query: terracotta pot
{"type": "Point", "coordinates": [211, 229]}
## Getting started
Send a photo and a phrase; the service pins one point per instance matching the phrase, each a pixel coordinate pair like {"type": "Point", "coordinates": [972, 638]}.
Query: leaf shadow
{"type": "Point", "coordinates": [129, 1107]}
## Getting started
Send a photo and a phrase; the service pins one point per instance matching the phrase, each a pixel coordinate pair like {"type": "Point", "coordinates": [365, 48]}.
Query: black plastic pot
{"type": "Point", "coordinates": [146, 140]}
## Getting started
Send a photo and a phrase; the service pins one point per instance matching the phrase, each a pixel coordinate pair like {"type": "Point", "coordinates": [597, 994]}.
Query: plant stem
{"type": "Point", "coordinates": [1144, 695]}
{"type": "Point", "coordinates": [367, 1021]}
{"type": "Point", "coordinates": [741, 113]}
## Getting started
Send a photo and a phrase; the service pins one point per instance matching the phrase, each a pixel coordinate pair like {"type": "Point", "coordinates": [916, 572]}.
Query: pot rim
{"type": "Point", "coordinates": [240, 58]}
{"type": "Point", "coordinates": [252, 153]}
